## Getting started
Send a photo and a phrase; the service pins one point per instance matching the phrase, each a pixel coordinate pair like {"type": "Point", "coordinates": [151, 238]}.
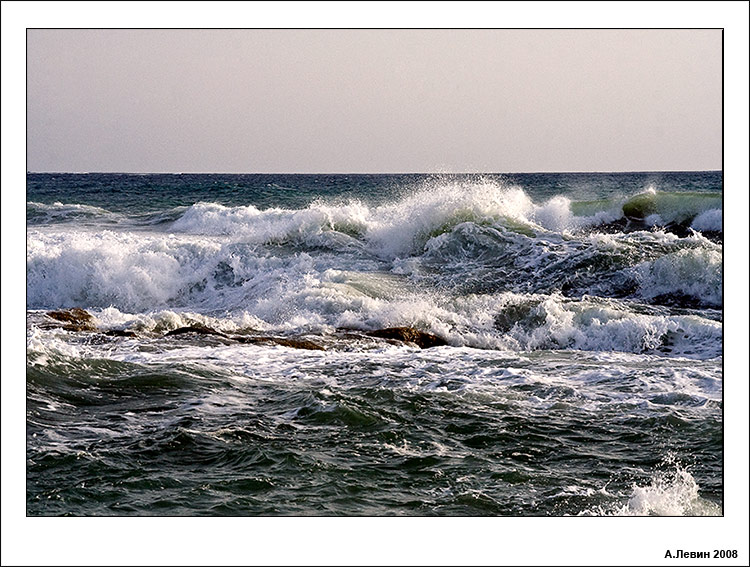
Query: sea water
{"type": "Point", "coordinates": [582, 371]}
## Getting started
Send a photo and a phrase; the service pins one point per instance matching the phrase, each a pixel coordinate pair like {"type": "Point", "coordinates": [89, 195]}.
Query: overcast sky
{"type": "Point", "coordinates": [373, 100]}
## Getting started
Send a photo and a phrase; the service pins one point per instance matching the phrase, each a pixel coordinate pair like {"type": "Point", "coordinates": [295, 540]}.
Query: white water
{"type": "Point", "coordinates": [350, 265]}
{"type": "Point", "coordinates": [671, 492]}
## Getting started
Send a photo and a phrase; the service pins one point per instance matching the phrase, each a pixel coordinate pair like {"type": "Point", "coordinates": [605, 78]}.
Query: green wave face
{"type": "Point", "coordinates": [672, 207]}
{"type": "Point", "coordinates": [590, 208]}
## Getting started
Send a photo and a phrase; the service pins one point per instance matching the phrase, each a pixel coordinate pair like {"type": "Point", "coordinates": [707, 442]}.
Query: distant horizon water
{"type": "Point", "coordinates": [371, 172]}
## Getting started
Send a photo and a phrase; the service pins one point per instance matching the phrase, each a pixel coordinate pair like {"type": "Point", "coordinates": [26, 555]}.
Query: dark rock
{"type": "Point", "coordinates": [197, 329]}
{"type": "Point", "coordinates": [716, 236]}
{"type": "Point", "coordinates": [678, 299]}
{"type": "Point", "coordinates": [121, 333]}
{"type": "Point", "coordinates": [346, 334]}
{"type": "Point", "coordinates": [287, 342]}
{"type": "Point", "coordinates": [409, 335]}
{"type": "Point", "coordinates": [246, 339]}
{"type": "Point", "coordinates": [298, 343]}
{"type": "Point", "coordinates": [619, 225]}
{"type": "Point", "coordinates": [524, 315]}
{"type": "Point", "coordinates": [74, 315]}
{"type": "Point", "coordinates": [75, 319]}
{"type": "Point", "coordinates": [681, 230]}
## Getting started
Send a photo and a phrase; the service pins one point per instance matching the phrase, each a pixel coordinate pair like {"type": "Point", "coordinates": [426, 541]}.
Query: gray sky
{"type": "Point", "coordinates": [373, 100]}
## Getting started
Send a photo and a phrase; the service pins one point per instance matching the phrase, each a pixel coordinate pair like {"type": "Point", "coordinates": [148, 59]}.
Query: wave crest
{"type": "Point", "coordinates": [404, 227]}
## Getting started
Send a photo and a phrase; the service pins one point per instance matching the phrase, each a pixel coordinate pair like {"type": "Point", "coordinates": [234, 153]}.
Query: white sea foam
{"type": "Point", "coordinates": [709, 220]}
{"type": "Point", "coordinates": [401, 228]}
{"type": "Point", "coordinates": [672, 491]}
{"type": "Point", "coordinates": [557, 215]}
{"type": "Point", "coordinates": [134, 271]}
{"type": "Point", "coordinates": [43, 346]}
{"type": "Point", "coordinates": [552, 322]}
{"type": "Point", "coordinates": [143, 274]}
{"type": "Point", "coordinates": [589, 381]}
{"type": "Point", "coordinates": [692, 271]}
{"type": "Point", "coordinates": [272, 225]}
{"type": "Point", "coordinates": [669, 494]}
{"type": "Point", "coordinates": [353, 265]}
{"type": "Point", "coordinates": [404, 227]}
{"type": "Point", "coordinates": [324, 302]}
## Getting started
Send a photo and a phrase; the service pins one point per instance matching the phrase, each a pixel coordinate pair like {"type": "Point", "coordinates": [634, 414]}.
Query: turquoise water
{"type": "Point", "coordinates": [582, 371]}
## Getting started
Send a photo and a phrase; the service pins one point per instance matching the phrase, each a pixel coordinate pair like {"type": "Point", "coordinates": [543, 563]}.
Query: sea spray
{"type": "Point", "coordinates": [671, 491]}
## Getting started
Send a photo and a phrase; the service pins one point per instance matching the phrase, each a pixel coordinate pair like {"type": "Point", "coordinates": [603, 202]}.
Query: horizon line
{"type": "Point", "coordinates": [366, 173]}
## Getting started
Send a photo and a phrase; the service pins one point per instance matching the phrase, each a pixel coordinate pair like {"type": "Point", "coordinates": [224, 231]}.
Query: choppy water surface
{"type": "Point", "coordinates": [582, 372]}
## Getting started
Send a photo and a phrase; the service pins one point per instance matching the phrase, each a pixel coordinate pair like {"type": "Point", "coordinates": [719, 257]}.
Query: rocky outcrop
{"type": "Point", "coordinates": [74, 319]}
{"type": "Point", "coordinates": [197, 329]}
{"type": "Point", "coordinates": [247, 339]}
{"type": "Point", "coordinates": [77, 319]}
{"type": "Point", "coordinates": [408, 335]}
{"type": "Point", "coordinates": [287, 342]}
{"type": "Point", "coordinates": [120, 333]}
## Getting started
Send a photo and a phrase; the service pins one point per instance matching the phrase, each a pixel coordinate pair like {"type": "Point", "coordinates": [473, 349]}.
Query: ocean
{"type": "Point", "coordinates": [374, 345]}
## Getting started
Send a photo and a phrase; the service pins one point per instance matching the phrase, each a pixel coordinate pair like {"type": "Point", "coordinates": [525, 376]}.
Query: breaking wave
{"type": "Point", "coordinates": [403, 227]}
{"type": "Point", "coordinates": [480, 264]}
